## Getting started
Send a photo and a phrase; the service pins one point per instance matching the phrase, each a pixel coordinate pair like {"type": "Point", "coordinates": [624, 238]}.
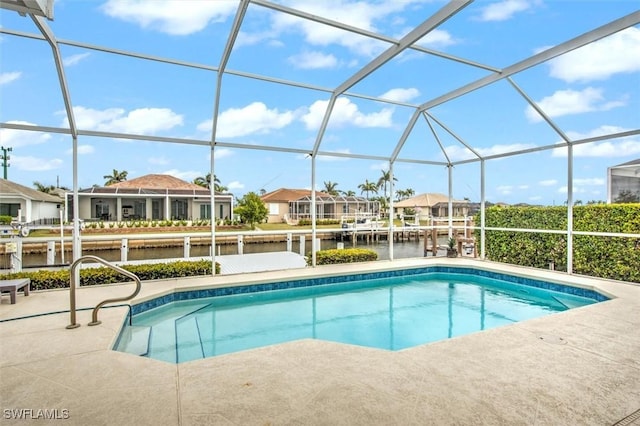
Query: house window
{"type": "Point", "coordinates": [179, 209]}
{"type": "Point", "coordinates": [205, 211]}
{"type": "Point", "coordinates": [156, 209]}
{"type": "Point", "coordinates": [140, 209]}
{"type": "Point", "coordinates": [7, 209]}
{"type": "Point", "coordinates": [273, 209]}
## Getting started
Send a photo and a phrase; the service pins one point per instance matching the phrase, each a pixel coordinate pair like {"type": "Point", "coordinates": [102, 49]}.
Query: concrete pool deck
{"type": "Point", "coordinates": [576, 367]}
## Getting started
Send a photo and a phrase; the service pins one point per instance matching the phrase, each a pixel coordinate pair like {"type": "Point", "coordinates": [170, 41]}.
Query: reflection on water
{"type": "Point", "coordinates": [401, 250]}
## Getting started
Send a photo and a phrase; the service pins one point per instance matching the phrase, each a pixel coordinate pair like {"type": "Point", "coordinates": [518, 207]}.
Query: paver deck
{"type": "Point", "coordinates": [512, 375]}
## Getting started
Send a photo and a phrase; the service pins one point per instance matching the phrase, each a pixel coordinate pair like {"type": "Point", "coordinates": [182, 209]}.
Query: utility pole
{"type": "Point", "coordinates": [5, 158]}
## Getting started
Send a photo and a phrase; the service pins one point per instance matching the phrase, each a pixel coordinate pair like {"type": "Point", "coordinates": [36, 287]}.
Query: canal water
{"type": "Point", "coordinates": [401, 250]}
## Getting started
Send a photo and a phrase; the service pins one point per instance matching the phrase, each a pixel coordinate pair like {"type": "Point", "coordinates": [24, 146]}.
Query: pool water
{"type": "Point", "coordinates": [386, 313]}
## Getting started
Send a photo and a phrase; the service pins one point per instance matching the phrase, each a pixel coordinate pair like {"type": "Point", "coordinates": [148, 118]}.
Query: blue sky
{"type": "Point", "coordinates": [591, 91]}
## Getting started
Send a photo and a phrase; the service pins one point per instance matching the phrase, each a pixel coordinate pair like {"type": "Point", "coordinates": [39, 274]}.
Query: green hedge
{"type": "Point", "coordinates": [351, 255]}
{"type": "Point", "coordinates": [605, 257]}
{"type": "Point", "coordinates": [44, 279]}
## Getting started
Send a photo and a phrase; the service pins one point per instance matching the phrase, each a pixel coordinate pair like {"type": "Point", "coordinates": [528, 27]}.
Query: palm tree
{"type": "Point", "coordinates": [115, 177]}
{"type": "Point", "coordinates": [368, 187]}
{"type": "Point", "coordinates": [348, 193]}
{"type": "Point", "coordinates": [384, 180]}
{"type": "Point", "coordinates": [43, 188]}
{"type": "Point", "coordinates": [205, 182]}
{"type": "Point", "coordinates": [403, 194]}
{"type": "Point", "coordinates": [330, 188]}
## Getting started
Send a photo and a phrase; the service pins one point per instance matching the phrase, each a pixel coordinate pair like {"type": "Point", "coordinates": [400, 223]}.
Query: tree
{"type": "Point", "coordinates": [348, 193]}
{"type": "Point", "coordinates": [205, 181]}
{"type": "Point", "coordinates": [48, 189]}
{"type": "Point", "coordinates": [330, 188]}
{"type": "Point", "coordinates": [368, 187]}
{"type": "Point", "coordinates": [403, 194]}
{"type": "Point", "coordinates": [115, 177]}
{"type": "Point", "coordinates": [626, 196]}
{"type": "Point", "coordinates": [43, 188]}
{"type": "Point", "coordinates": [385, 180]}
{"type": "Point", "coordinates": [263, 191]}
{"type": "Point", "coordinates": [251, 209]}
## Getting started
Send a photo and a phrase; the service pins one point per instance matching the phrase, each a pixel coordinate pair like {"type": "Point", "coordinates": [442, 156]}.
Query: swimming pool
{"type": "Point", "coordinates": [390, 310]}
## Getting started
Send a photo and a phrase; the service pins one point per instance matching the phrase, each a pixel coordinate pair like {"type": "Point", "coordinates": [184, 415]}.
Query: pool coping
{"type": "Point", "coordinates": [510, 375]}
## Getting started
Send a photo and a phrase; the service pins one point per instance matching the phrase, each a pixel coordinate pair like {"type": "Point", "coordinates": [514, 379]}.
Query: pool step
{"type": "Point", "coordinates": [188, 339]}
{"type": "Point", "coordinates": [137, 339]}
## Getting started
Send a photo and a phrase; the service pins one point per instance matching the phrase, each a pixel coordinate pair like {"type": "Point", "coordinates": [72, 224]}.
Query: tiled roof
{"type": "Point", "coordinates": [156, 181]}
{"type": "Point", "coordinates": [8, 188]}
{"type": "Point", "coordinates": [284, 195]}
{"type": "Point", "coordinates": [153, 185]}
{"type": "Point", "coordinates": [424, 200]}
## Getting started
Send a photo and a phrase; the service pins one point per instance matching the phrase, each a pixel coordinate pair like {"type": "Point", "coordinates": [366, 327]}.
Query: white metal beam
{"type": "Point", "coordinates": [370, 34]}
{"type": "Point", "coordinates": [539, 110]}
{"type": "Point", "coordinates": [575, 43]}
{"type": "Point", "coordinates": [416, 34]}
{"type": "Point", "coordinates": [458, 138]}
{"type": "Point", "coordinates": [57, 57]}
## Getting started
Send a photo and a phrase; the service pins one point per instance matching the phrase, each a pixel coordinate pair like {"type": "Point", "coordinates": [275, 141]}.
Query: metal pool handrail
{"type": "Point", "coordinates": [94, 314]}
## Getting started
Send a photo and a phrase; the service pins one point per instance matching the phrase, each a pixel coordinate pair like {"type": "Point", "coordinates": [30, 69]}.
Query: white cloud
{"type": "Point", "coordinates": [8, 77]}
{"type": "Point", "coordinates": [82, 149]}
{"type": "Point", "coordinates": [254, 118]}
{"type": "Point", "coordinates": [143, 121]}
{"type": "Point", "coordinates": [330, 157]}
{"type": "Point", "coordinates": [535, 198]}
{"type": "Point", "coordinates": [161, 161]}
{"type": "Point", "coordinates": [18, 138]}
{"type": "Point", "coordinates": [576, 190]}
{"type": "Point", "coordinates": [74, 59]}
{"type": "Point", "coordinates": [345, 112]}
{"type": "Point", "coordinates": [188, 175]}
{"type": "Point", "coordinates": [617, 53]}
{"type": "Point", "coordinates": [505, 189]}
{"type": "Point", "coordinates": [457, 152]}
{"type": "Point", "coordinates": [175, 17]}
{"type": "Point", "coordinates": [235, 185]}
{"type": "Point", "coordinates": [588, 181]}
{"type": "Point", "coordinates": [523, 186]}
{"type": "Point", "coordinates": [437, 39]}
{"type": "Point", "coordinates": [360, 14]}
{"type": "Point", "coordinates": [313, 60]}
{"type": "Point", "coordinates": [566, 102]}
{"type": "Point", "coordinates": [620, 147]}
{"type": "Point", "coordinates": [222, 153]}
{"type": "Point", "coordinates": [380, 166]}
{"type": "Point", "coordinates": [503, 10]}
{"type": "Point", "coordinates": [548, 182]}
{"type": "Point", "coordinates": [401, 95]}
{"type": "Point", "coordinates": [34, 164]}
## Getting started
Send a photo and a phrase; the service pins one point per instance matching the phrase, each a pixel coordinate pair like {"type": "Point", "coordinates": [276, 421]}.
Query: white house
{"type": "Point", "coordinates": [29, 204]}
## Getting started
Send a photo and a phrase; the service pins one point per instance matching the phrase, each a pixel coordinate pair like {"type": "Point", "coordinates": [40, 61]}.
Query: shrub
{"type": "Point", "coordinates": [45, 280]}
{"type": "Point", "coordinates": [307, 222]}
{"type": "Point", "coordinates": [605, 257]}
{"type": "Point", "coordinates": [5, 220]}
{"type": "Point", "coordinates": [334, 256]}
